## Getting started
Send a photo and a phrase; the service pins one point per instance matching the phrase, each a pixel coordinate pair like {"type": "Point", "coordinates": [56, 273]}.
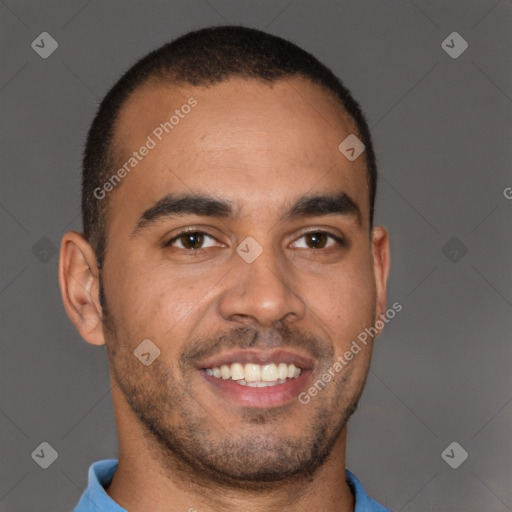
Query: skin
{"type": "Point", "coordinates": [182, 445]}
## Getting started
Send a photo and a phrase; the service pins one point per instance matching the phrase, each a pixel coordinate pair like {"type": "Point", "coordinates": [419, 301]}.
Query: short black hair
{"type": "Point", "coordinates": [202, 58]}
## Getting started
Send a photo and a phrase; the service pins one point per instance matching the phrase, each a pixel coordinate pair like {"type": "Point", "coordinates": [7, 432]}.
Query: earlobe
{"type": "Point", "coordinates": [381, 265]}
{"type": "Point", "coordinates": [79, 286]}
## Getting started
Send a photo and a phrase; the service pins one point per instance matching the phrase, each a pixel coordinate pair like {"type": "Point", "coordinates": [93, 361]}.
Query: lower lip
{"type": "Point", "coordinates": [269, 396]}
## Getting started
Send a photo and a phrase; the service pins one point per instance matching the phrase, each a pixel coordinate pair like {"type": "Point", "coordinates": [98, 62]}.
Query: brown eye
{"type": "Point", "coordinates": [192, 240]}
{"type": "Point", "coordinates": [317, 240]}
{"type": "Point", "coordinates": [189, 240]}
{"type": "Point", "coordinates": [320, 240]}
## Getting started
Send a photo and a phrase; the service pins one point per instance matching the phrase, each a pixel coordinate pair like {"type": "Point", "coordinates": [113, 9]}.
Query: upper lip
{"type": "Point", "coordinates": [258, 357]}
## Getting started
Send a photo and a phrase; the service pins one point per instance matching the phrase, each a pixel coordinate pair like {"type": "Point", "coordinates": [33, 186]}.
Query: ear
{"type": "Point", "coordinates": [79, 287]}
{"type": "Point", "coordinates": [380, 252]}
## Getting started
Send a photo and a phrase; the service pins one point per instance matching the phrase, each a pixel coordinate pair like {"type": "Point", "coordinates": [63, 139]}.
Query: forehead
{"type": "Point", "coordinates": [241, 138]}
{"type": "Point", "coordinates": [242, 103]}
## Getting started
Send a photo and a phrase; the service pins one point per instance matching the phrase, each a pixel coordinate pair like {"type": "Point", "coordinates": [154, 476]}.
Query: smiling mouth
{"type": "Point", "coordinates": [256, 375]}
{"type": "Point", "coordinates": [251, 378]}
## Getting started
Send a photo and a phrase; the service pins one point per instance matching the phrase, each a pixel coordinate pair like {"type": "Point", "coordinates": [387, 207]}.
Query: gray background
{"type": "Point", "coordinates": [441, 370]}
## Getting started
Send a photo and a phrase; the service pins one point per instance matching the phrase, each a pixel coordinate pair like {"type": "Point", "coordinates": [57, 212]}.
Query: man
{"type": "Point", "coordinates": [229, 262]}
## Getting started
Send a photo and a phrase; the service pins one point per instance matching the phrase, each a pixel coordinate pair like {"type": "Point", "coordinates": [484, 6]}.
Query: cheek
{"type": "Point", "coordinates": [161, 303]}
{"type": "Point", "coordinates": [344, 301]}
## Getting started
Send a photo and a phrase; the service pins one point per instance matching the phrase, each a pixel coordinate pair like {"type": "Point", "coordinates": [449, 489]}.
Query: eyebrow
{"type": "Point", "coordinates": [171, 206]}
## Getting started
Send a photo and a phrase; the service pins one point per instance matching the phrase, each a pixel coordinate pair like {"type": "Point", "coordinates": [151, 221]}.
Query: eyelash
{"type": "Point", "coordinates": [340, 241]}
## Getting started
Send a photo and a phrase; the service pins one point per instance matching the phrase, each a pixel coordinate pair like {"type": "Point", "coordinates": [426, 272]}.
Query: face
{"type": "Point", "coordinates": [274, 264]}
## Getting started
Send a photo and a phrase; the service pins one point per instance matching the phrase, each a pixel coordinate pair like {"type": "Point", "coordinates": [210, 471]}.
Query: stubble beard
{"type": "Point", "coordinates": [183, 436]}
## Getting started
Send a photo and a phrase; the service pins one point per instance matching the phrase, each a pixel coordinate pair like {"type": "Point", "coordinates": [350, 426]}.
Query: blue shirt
{"type": "Point", "coordinates": [101, 472]}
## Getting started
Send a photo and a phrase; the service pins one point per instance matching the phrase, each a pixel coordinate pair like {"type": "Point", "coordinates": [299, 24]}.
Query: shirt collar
{"type": "Point", "coordinates": [95, 498]}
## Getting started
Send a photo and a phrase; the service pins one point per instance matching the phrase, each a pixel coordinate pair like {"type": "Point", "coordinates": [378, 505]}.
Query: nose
{"type": "Point", "coordinates": [260, 293]}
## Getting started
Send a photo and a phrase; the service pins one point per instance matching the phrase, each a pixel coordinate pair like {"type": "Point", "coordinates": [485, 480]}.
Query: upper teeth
{"type": "Point", "coordinates": [256, 372]}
